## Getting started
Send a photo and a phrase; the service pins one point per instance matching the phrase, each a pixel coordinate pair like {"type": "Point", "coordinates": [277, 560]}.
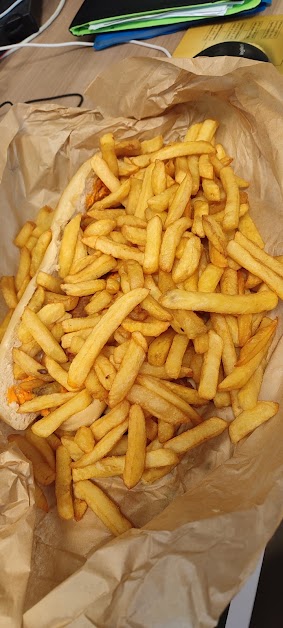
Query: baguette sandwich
{"type": "Point", "coordinates": [71, 202]}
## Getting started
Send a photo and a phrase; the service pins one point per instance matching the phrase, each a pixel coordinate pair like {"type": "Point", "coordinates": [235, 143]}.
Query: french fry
{"type": "Point", "coordinates": [23, 271]}
{"type": "Point", "coordinates": [39, 251]}
{"type": "Point", "coordinates": [193, 166]}
{"type": "Point", "coordinates": [107, 145]}
{"type": "Point", "coordinates": [108, 467]}
{"type": "Point", "coordinates": [241, 374]}
{"type": "Point", "coordinates": [161, 202]}
{"type": "Point", "coordinates": [84, 288]}
{"type": "Point", "coordinates": [175, 356]}
{"type": "Point", "coordinates": [24, 234]}
{"type": "Point", "coordinates": [104, 445]}
{"type": "Point", "coordinates": [131, 221]}
{"type": "Point", "coordinates": [258, 341]}
{"type": "Point", "coordinates": [155, 310]}
{"type": "Point", "coordinates": [122, 251]}
{"type": "Point", "coordinates": [210, 367]}
{"type": "Point", "coordinates": [112, 419]}
{"type": "Point", "coordinates": [229, 282]}
{"type": "Point", "coordinates": [76, 324]}
{"type": "Point", "coordinates": [135, 190]}
{"type": "Point", "coordinates": [158, 178]}
{"type": "Point", "coordinates": [170, 241]}
{"type": "Point", "coordinates": [220, 303]}
{"type": "Point", "coordinates": [152, 145]}
{"type": "Point", "coordinates": [201, 343]}
{"type": "Point", "coordinates": [261, 256]}
{"type": "Point", "coordinates": [49, 424]}
{"type": "Point", "coordinates": [43, 336]}
{"type": "Point", "coordinates": [84, 439]}
{"type": "Point", "coordinates": [120, 448]}
{"type": "Point", "coordinates": [102, 506]}
{"type": "Point", "coordinates": [197, 435]}
{"type": "Point", "coordinates": [208, 280]}
{"type": "Point", "coordinates": [43, 447]}
{"type": "Point", "coordinates": [151, 327]}
{"type": "Point", "coordinates": [45, 401]}
{"type": "Point", "coordinates": [135, 456]}
{"type": "Point", "coordinates": [111, 199]}
{"type": "Point", "coordinates": [129, 369]}
{"type": "Point", "coordinates": [248, 395]}
{"type": "Point", "coordinates": [180, 200]}
{"type": "Point", "coordinates": [215, 234]}
{"type": "Point", "coordinates": [63, 484]}
{"type": "Point", "coordinates": [152, 475]}
{"type": "Point", "coordinates": [99, 302]}
{"type": "Point", "coordinates": [145, 194]}
{"type": "Point", "coordinates": [80, 508]}
{"type": "Point", "coordinates": [49, 282]}
{"type": "Point", "coordinates": [73, 448]}
{"type": "Point", "coordinates": [160, 371]}
{"type": "Point", "coordinates": [42, 471]}
{"type": "Point", "coordinates": [57, 372]}
{"type": "Point", "coordinates": [8, 288]}
{"type": "Point", "coordinates": [155, 385]}
{"type": "Point", "coordinates": [196, 366]}
{"type": "Point", "coordinates": [205, 167]}
{"type": "Point", "coordinates": [249, 420]}
{"type": "Point", "coordinates": [104, 173]}
{"type": "Point", "coordinates": [98, 267]}
{"type": "Point", "coordinates": [105, 371]}
{"type": "Point", "coordinates": [189, 261]}
{"type": "Point", "coordinates": [248, 228]}
{"type": "Point", "coordinates": [40, 499]}
{"type": "Point", "coordinates": [5, 322]}
{"type": "Point", "coordinates": [152, 245]}
{"type": "Point", "coordinates": [243, 257]}
{"type": "Point", "coordinates": [156, 405]}
{"type": "Point", "coordinates": [180, 149]}
{"type": "Point", "coordinates": [232, 207]}
{"type": "Point", "coordinates": [188, 394]}
{"type": "Point", "coordinates": [201, 209]}
{"type": "Point", "coordinates": [29, 365]}
{"type": "Point", "coordinates": [211, 190]}
{"type": "Point", "coordinates": [23, 287]}
{"type": "Point", "coordinates": [207, 130]}
{"type": "Point", "coordinates": [165, 431]}
{"type": "Point", "coordinates": [158, 349]}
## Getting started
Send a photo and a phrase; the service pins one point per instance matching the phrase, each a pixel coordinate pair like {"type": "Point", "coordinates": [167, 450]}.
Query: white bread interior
{"type": "Point", "coordinates": [71, 202]}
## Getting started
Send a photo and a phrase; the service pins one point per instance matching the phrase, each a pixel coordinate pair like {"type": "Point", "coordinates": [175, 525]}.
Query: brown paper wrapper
{"type": "Point", "coordinates": [204, 525]}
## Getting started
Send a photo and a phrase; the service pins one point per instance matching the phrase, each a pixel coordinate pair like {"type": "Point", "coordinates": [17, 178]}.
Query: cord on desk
{"type": "Point", "coordinates": [9, 49]}
{"type": "Point", "coordinates": [59, 96]}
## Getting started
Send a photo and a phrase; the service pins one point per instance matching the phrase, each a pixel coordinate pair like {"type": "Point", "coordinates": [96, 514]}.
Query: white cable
{"type": "Point", "coordinates": [59, 45]}
{"type": "Point", "coordinates": [13, 6]}
{"type": "Point", "coordinates": [42, 28]}
{"type": "Point", "coordinates": [147, 45]}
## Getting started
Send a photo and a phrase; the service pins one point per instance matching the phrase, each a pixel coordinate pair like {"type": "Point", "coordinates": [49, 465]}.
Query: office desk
{"type": "Point", "coordinates": [36, 73]}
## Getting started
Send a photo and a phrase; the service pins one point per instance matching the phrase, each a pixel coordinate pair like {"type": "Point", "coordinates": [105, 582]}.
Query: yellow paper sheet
{"type": "Point", "coordinates": [266, 32]}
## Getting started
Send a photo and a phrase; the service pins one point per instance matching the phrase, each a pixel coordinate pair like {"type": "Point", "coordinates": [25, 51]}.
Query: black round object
{"type": "Point", "coordinates": [234, 49]}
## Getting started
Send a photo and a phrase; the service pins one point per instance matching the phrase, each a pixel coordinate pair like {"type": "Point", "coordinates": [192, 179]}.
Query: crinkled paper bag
{"type": "Point", "coordinates": [204, 525]}
{"type": "Point", "coordinates": [16, 532]}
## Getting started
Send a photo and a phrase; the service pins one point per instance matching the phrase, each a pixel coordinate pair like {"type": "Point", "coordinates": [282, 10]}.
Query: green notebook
{"type": "Point", "coordinates": [94, 18]}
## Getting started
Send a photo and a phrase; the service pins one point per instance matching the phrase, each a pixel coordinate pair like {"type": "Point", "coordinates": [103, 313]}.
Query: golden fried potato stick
{"type": "Point", "coordinates": [63, 484]}
{"type": "Point", "coordinates": [135, 455]}
{"type": "Point", "coordinates": [249, 420]}
{"type": "Point", "coordinates": [220, 303]}
{"type": "Point", "coordinates": [102, 506]}
{"type": "Point", "coordinates": [197, 435]}
{"type": "Point", "coordinates": [46, 426]}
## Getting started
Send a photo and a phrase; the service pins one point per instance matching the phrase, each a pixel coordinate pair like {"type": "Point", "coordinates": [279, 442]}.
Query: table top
{"type": "Point", "coordinates": [33, 73]}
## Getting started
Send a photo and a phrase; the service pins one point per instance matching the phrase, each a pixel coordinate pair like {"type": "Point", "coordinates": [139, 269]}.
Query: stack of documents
{"type": "Point", "coordinates": [144, 16]}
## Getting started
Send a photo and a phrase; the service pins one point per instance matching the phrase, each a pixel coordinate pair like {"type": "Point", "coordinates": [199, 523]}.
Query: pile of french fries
{"type": "Point", "coordinates": [160, 306]}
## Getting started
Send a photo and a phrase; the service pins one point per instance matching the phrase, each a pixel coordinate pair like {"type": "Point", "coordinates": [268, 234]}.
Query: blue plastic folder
{"type": "Point", "coordinates": [106, 40]}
